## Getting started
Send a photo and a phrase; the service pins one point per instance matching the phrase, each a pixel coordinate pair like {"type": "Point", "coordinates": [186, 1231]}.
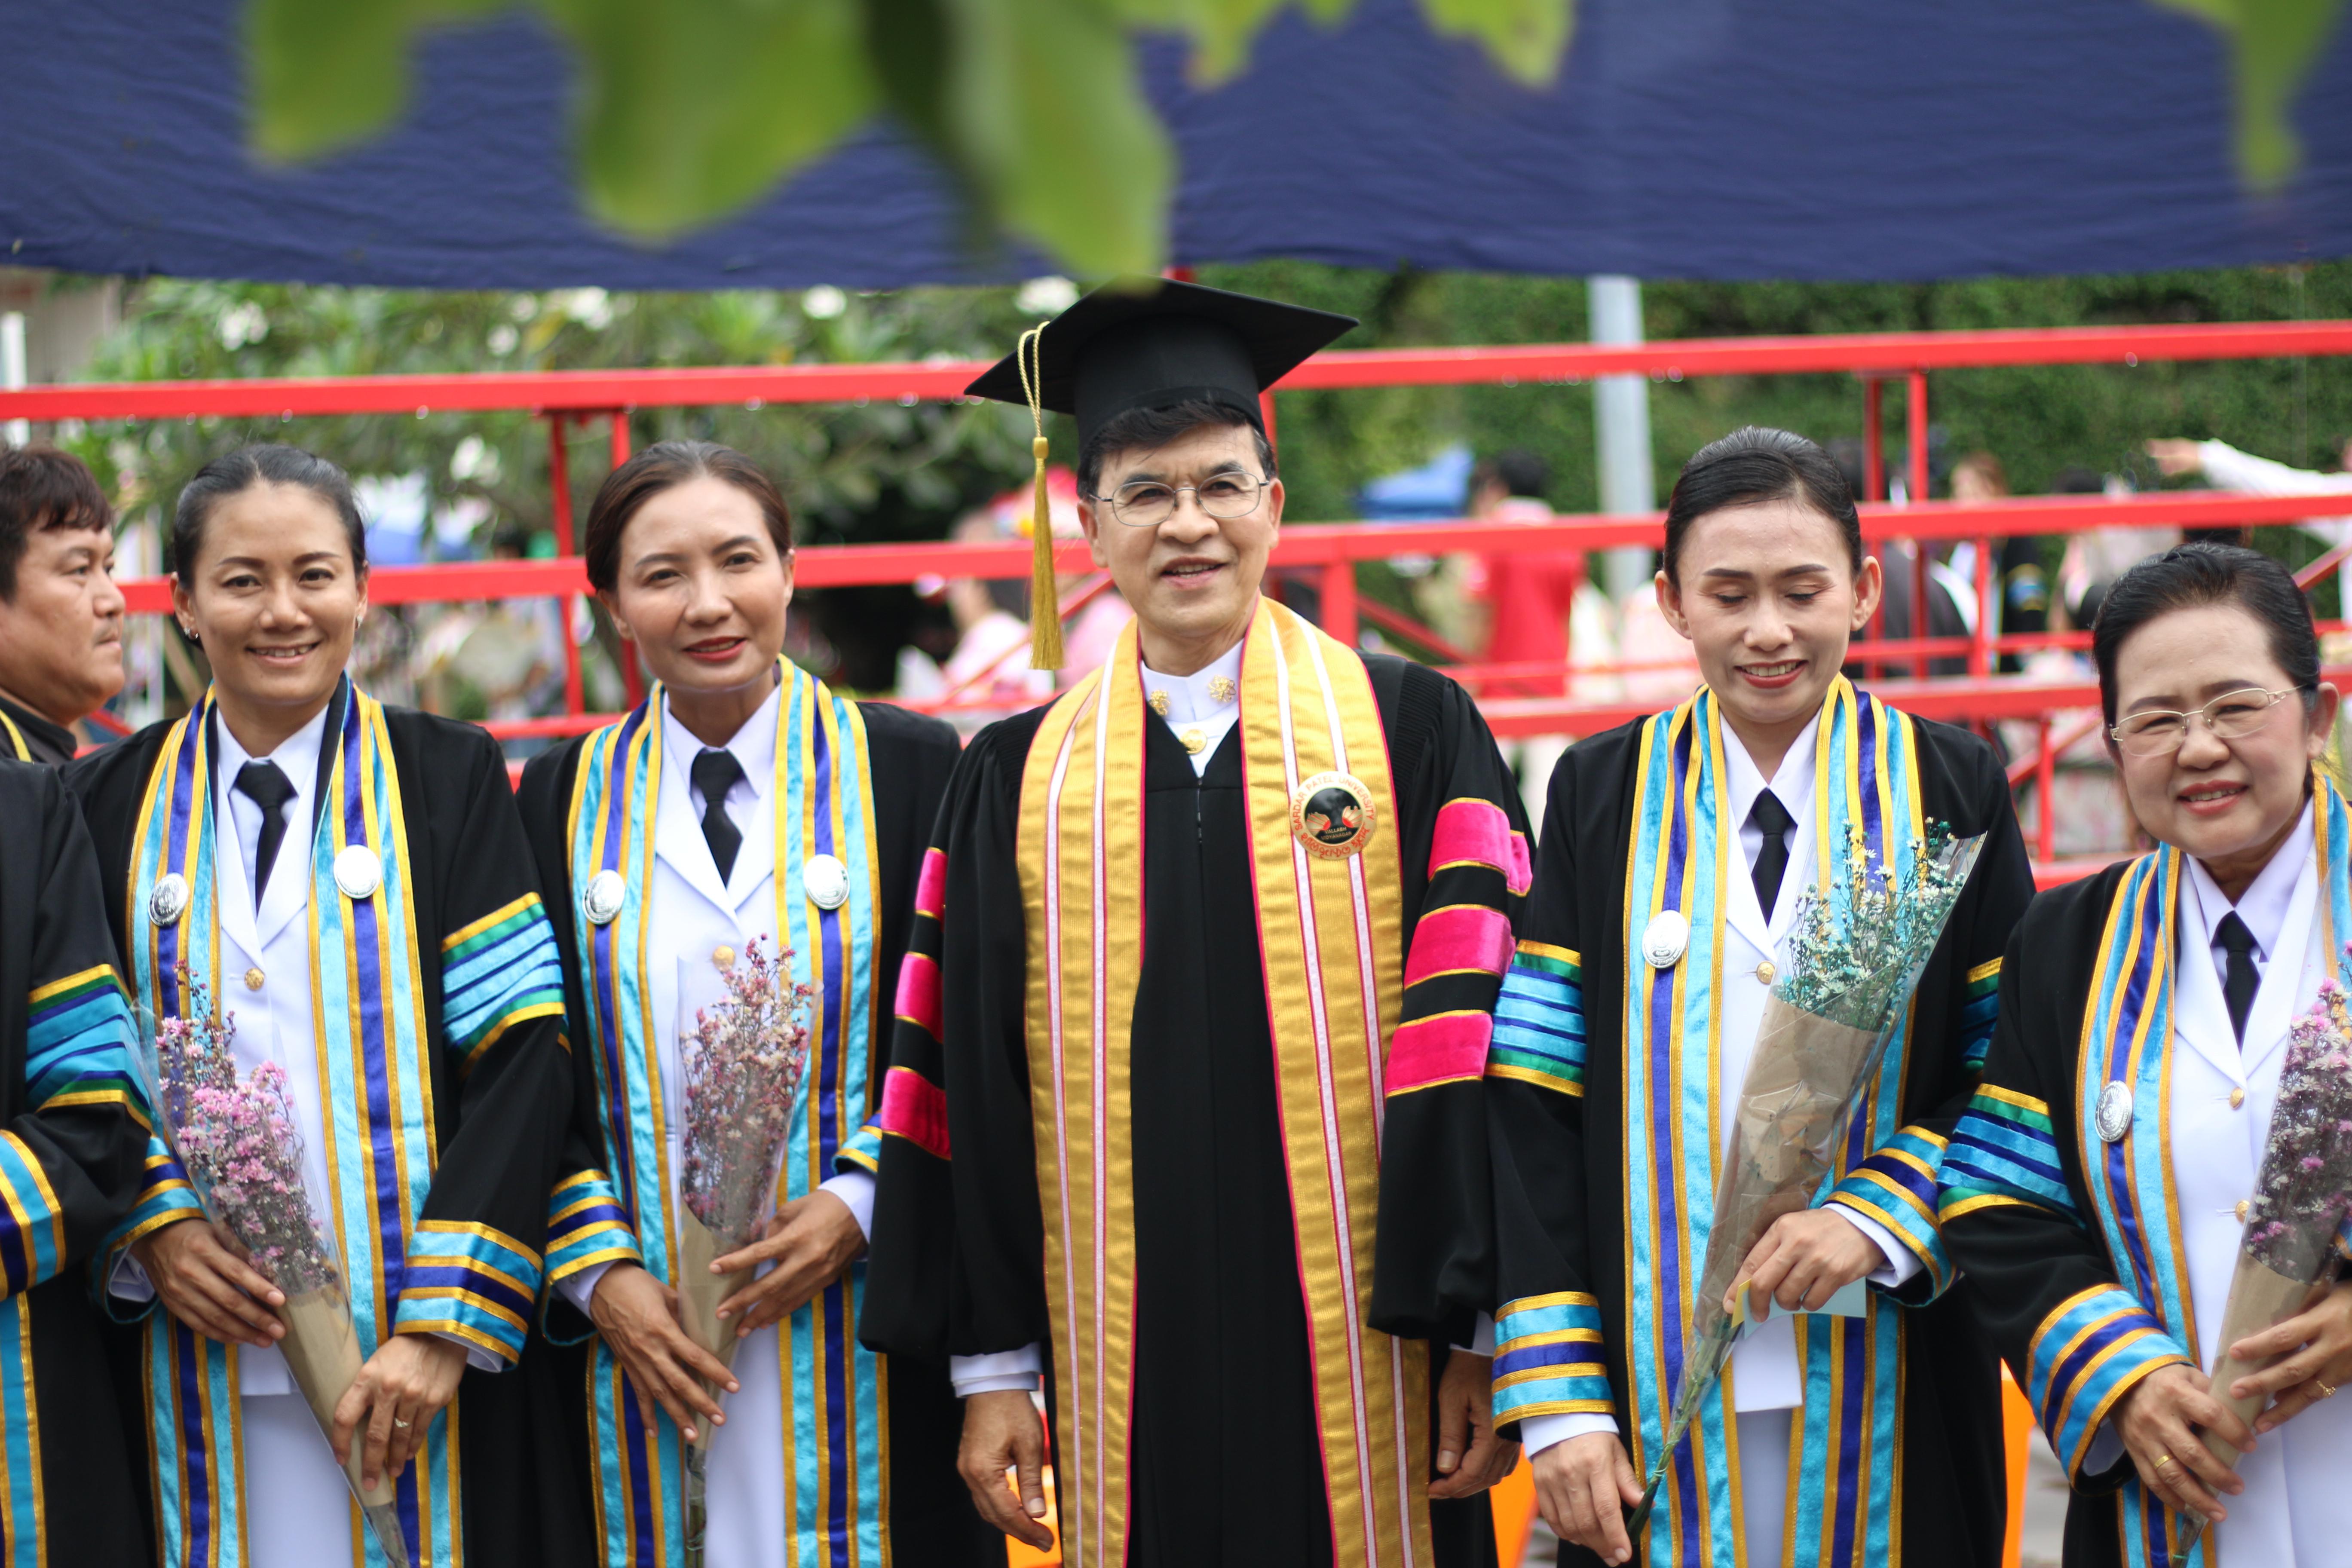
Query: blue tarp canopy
{"type": "Point", "coordinates": [1714, 139]}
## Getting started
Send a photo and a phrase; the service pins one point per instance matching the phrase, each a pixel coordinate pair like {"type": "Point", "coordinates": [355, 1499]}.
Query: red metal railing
{"type": "Point", "coordinates": [1329, 552]}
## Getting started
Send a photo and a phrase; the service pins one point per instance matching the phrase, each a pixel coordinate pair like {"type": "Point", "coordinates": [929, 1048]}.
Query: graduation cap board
{"type": "Point", "coordinates": [1143, 343]}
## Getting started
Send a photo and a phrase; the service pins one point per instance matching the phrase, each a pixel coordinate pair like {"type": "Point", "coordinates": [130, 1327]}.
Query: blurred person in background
{"type": "Point", "coordinates": [2227, 468]}
{"type": "Point", "coordinates": [1524, 601]}
{"type": "Point", "coordinates": [60, 613]}
{"type": "Point", "coordinates": [2095, 557]}
{"type": "Point", "coordinates": [2021, 596]}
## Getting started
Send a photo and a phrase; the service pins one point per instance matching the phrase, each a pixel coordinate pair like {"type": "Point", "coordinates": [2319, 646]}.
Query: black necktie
{"type": "Point", "coordinates": [2238, 987]}
{"type": "Point", "coordinates": [716, 772]}
{"type": "Point", "coordinates": [1772, 860]}
{"type": "Point", "coordinates": [266, 786]}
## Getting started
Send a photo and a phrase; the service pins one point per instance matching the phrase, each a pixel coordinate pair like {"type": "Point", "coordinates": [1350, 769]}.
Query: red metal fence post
{"type": "Point", "coordinates": [633, 673]}
{"type": "Point", "coordinates": [1873, 477]}
{"type": "Point", "coordinates": [2045, 783]}
{"type": "Point", "coordinates": [1980, 640]}
{"type": "Point", "coordinates": [559, 484]}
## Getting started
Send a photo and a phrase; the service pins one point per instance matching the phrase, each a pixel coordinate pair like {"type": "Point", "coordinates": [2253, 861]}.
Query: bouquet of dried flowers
{"type": "Point", "coordinates": [744, 1063]}
{"type": "Point", "coordinates": [236, 1138]}
{"type": "Point", "coordinates": [1855, 957]}
{"type": "Point", "coordinates": [2300, 1200]}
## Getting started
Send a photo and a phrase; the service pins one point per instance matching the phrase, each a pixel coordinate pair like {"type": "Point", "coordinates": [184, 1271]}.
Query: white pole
{"type": "Point", "coordinates": [12, 370]}
{"type": "Point", "coordinates": [1621, 427]}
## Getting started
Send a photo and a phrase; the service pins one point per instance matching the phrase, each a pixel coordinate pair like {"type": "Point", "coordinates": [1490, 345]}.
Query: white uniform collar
{"type": "Point", "coordinates": [1792, 782]}
{"type": "Point", "coordinates": [288, 892]}
{"type": "Point", "coordinates": [2264, 905]}
{"type": "Point", "coordinates": [677, 827]}
{"type": "Point", "coordinates": [1206, 703]}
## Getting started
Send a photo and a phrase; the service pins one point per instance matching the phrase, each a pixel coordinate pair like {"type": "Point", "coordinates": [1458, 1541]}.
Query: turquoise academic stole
{"type": "Point", "coordinates": [367, 989]}
{"type": "Point", "coordinates": [2096, 1344]}
{"type": "Point", "coordinates": [1845, 1454]}
{"type": "Point", "coordinates": [836, 1393]}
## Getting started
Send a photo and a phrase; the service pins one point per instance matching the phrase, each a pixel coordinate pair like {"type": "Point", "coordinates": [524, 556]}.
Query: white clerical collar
{"type": "Point", "coordinates": [1199, 707]}
{"type": "Point", "coordinates": [753, 745]}
{"type": "Point", "coordinates": [2264, 904]}
{"type": "Point", "coordinates": [1792, 782]}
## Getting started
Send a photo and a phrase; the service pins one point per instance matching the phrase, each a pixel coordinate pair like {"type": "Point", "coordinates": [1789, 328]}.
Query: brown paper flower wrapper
{"type": "Point", "coordinates": [321, 1348]}
{"type": "Point", "coordinates": [2260, 1298]}
{"type": "Point", "coordinates": [700, 1292]}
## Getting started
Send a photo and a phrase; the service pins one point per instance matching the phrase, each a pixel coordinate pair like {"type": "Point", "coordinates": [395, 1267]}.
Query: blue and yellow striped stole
{"type": "Point", "coordinates": [368, 987]}
{"type": "Point", "coordinates": [835, 1392]}
{"type": "Point", "coordinates": [1846, 1452]}
{"type": "Point", "coordinates": [2096, 1344]}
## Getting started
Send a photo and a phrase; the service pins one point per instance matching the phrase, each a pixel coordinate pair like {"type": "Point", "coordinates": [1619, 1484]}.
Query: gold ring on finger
{"type": "Point", "coordinates": [2327, 1390]}
{"type": "Point", "coordinates": [2164, 1459]}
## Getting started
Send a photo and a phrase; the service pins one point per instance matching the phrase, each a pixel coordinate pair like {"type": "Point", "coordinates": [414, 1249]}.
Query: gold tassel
{"type": "Point", "coordinates": [1045, 595]}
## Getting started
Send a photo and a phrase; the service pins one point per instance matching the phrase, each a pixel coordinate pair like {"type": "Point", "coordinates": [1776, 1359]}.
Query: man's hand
{"type": "Point", "coordinates": [1465, 1421]}
{"type": "Point", "coordinates": [638, 1315]}
{"type": "Point", "coordinates": [399, 1392]}
{"type": "Point", "coordinates": [1807, 1257]}
{"type": "Point", "coordinates": [1583, 1487]}
{"type": "Point", "coordinates": [1002, 1432]}
{"type": "Point", "coordinates": [2156, 1419]}
{"type": "Point", "coordinates": [200, 1273]}
{"type": "Point", "coordinates": [2174, 456]}
{"type": "Point", "coordinates": [2320, 1337]}
{"type": "Point", "coordinates": [811, 1240]}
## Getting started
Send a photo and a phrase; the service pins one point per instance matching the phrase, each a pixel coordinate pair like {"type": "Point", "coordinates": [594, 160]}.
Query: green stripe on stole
{"type": "Point", "coordinates": [2127, 1035]}
{"type": "Point", "coordinates": [1846, 1455]}
{"type": "Point", "coordinates": [374, 1075]}
{"type": "Point", "coordinates": [836, 1450]}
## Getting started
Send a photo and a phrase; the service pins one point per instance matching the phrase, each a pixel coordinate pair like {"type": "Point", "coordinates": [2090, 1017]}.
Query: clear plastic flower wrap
{"type": "Point", "coordinates": [744, 1063]}
{"type": "Point", "coordinates": [1856, 956]}
{"type": "Point", "coordinates": [2295, 1218]}
{"type": "Point", "coordinates": [236, 1138]}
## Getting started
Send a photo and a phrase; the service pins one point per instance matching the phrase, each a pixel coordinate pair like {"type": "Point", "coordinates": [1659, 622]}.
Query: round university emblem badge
{"type": "Point", "coordinates": [603, 897]}
{"type": "Point", "coordinates": [1332, 816]}
{"type": "Point", "coordinates": [2113, 1115]}
{"type": "Point", "coordinates": [358, 872]}
{"type": "Point", "coordinates": [1664, 939]}
{"type": "Point", "coordinates": [825, 881]}
{"type": "Point", "coordinates": [169, 901]}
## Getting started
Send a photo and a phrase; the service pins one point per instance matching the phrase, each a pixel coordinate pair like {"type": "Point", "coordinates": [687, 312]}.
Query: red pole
{"type": "Point", "coordinates": [620, 436]}
{"type": "Point", "coordinates": [1915, 414]}
{"type": "Point", "coordinates": [1265, 412]}
{"type": "Point", "coordinates": [1339, 602]}
{"type": "Point", "coordinates": [1981, 643]}
{"type": "Point", "coordinates": [558, 482]}
{"type": "Point", "coordinates": [632, 674]}
{"type": "Point", "coordinates": [1873, 479]}
{"type": "Point", "coordinates": [2045, 781]}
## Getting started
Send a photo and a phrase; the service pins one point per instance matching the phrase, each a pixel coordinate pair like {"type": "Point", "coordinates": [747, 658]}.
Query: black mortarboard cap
{"type": "Point", "coordinates": [1153, 342]}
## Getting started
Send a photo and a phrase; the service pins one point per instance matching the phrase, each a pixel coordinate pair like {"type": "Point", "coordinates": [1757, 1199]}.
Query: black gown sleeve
{"type": "Point", "coordinates": [1463, 838]}
{"type": "Point", "coordinates": [957, 1260]}
{"type": "Point", "coordinates": [1548, 1353]}
{"type": "Point", "coordinates": [2015, 1212]}
{"type": "Point", "coordinates": [73, 1147]}
{"type": "Point", "coordinates": [475, 1258]}
{"type": "Point", "coordinates": [1895, 1184]}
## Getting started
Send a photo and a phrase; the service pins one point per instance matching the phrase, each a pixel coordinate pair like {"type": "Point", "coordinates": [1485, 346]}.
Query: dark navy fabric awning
{"type": "Point", "coordinates": [1721, 139]}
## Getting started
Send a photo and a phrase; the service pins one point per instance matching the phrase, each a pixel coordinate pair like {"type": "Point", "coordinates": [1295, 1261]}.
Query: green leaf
{"type": "Point", "coordinates": [325, 74]}
{"type": "Point", "coordinates": [688, 111]}
{"type": "Point", "coordinates": [1045, 112]}
{"type": "Point", "coordinates": [1526, 38]}
{"type": "Point", "coordinates": [2273, 44]}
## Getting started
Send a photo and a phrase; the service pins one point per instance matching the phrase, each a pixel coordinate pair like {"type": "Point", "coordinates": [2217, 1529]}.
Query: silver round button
{"type": "Point", "coordinates": [605, 894]}
{"type": "Point", "coordinates": [169, 898]}
{"type": "Point", "coordinates": [825, 881]}
{"type": "Point", "coordinates": [1664, 939]}
{"type": "Point", "coordinates": [358, 872]}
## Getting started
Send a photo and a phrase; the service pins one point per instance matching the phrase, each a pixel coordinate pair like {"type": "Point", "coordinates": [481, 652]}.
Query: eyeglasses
{"type": "Point", "coordinates": [1148, 503]}
{"type": "Point", "coordinates": [2231, 716]}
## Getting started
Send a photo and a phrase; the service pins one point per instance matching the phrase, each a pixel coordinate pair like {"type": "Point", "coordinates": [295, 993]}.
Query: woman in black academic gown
{"type": "Point", "coordinates": [741, 802]}
{"type": "Point", "coordinates": [2099, 1189]}
{"type": "Point", "coordinates": [352, 885]}
{"type": "Point", "coordinates": [1666, 902]}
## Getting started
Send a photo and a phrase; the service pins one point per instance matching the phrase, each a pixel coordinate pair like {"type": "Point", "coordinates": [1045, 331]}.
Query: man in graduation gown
{"type": "Point", "coordinates": [73, 1140]}
{"type": "Point", "coordinates": [60, 613]}
{"type": "Point", "coordinates": [1180, 937]}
